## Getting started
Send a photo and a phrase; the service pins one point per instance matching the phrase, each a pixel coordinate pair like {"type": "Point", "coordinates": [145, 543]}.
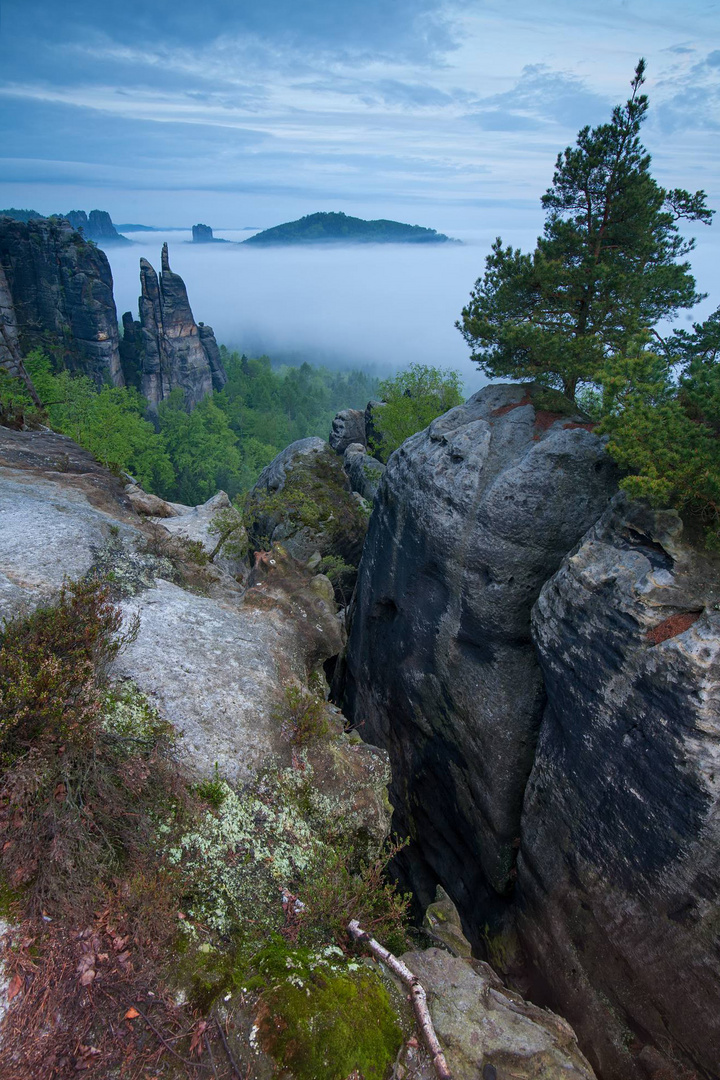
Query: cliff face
{"type": "Point", "coordinates": [62, 296]}
{"type": "Point", "coordinates": [166, 348]}
{"type": "Point", "coordinates": [472, 517]}
{"type": "Point", "coordinates": [98, 226]}
{"type": "Point", "coordinates": [619, 867]}
{"type": "Point", "coordinates": [583, 739]}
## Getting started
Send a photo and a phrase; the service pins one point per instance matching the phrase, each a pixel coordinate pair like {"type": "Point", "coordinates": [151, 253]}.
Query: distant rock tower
{"type": "Point", "coordinates": [202, 234]}
{"type": "Point", "coordinates": [167, 348]}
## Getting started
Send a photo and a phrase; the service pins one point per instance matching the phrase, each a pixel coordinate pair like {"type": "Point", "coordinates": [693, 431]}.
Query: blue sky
{"type": "Point", "coordinates": [244, 113]}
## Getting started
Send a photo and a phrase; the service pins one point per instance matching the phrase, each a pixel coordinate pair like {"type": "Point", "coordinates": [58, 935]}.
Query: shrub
{"type": "Point", "coordinates": [303, 714]}
{"type": "Point", "coordinates": [338, 890]}
{"type": "Point", "coordinates": [52, 667]}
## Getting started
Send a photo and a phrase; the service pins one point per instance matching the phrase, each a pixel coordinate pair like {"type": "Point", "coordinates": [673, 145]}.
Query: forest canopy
{"type": "Point", "coordinates": [223, 443]}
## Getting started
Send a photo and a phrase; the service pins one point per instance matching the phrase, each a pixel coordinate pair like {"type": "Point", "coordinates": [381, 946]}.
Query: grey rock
{"type": "Point", "coordinates": [97, 227]}
{"type": "Point", "coordinates": [202, 234]}
{"type": "Point", "coordinates": [62, 296]}
{"type": "Point", "coordinates": [365, 472]}
{"type": "Point", "coordinates": [147, 504]}
{"type": "Point", "coordinates": [274, 475]}
{"type": "Point", "coordinates": [347, 427]}
{"type": "Point", "coordinates": [472, 516]}
{"type": "Point", "coordinates": [167, 349]}
{"type": "Point", "coordinates": [619, 870]}
{"type": "Point", "coordinates": [442, 921]}
{"type": "Point", "coordinates": [196, 524]}
{"type": "Point", "coordinates": [212, 668]}
{"type": "Point", "coordinates": [215, 665]}
{"type": "Point", "coordinates": [302, 499]}
{"type": "Point", "coordinates": [57, 509]}
{"type": "Point", "coordinates": [486, 1031]}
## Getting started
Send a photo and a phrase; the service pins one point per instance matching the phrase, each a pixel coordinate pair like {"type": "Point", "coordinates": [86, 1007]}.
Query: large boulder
{"type": "Point", "coordinates": [488, 1032]}
{"type": "Point", "coordinates": [347, 427]}
{"type": "Point", "coordinates": [364, 472]}
{"type": "Point", "coordinates": [214, 659]}
{"type": "Point", "coordinates": [619, 868]}
{"type": "Point", "coordinates": [472, 516]}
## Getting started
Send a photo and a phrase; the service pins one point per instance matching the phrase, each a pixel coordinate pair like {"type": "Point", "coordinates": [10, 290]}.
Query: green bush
{"type": "Point", "coordinates": [52, 666]}
{"type": "Point", "coordinates": [413, 399]}
{"type": "Point", "coordinates": [664, 428]}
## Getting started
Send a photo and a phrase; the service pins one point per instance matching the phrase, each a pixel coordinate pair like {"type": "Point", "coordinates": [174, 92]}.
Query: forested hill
{"type": "Point", "coordinates": [339, 228]}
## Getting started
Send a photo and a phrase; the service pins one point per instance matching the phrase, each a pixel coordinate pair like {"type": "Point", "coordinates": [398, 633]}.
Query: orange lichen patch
{"type": "Point", "coordinates": [671, 627]}
{"type": "Point", "coordinates": [545, 419]}
{"type": "Point", "coordinates": [509, 408]}
{"type": "Point", "coordinates": [586, 427]}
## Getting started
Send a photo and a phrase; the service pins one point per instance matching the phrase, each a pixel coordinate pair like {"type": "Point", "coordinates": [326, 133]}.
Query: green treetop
{"type": "Point", "coordinates": [413, 398]}
{"type": "Point", "coordinates": [608, 266]}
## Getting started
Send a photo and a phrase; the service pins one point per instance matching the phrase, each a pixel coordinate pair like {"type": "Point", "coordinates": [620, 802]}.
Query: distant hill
{"type": "Point", "coordinates": [136, 228]}
{"type": "Point", "coordinates": [339, 228]}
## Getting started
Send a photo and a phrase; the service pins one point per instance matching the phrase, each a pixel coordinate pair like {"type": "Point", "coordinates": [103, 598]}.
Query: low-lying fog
{"type": "Point", "coordinates": [376, 306]}
{"type": "Point", "coordinates": [379, 307]}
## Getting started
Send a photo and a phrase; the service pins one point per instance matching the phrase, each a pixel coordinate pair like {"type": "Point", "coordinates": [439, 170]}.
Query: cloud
{"type": "Point", "coordinates": [413, 29]}
{"type": "Point", "coordinates": [691, 100]}
{"type": "Point", "coordinates": [542, 96]}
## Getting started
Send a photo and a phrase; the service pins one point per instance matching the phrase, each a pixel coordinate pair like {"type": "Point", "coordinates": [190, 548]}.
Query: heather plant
{"type": "Point", "coordinates": [52, 667]}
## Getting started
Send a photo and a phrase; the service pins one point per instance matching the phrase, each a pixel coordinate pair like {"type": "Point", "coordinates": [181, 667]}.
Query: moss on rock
{"type": "Point", "coordinates": [323, 1016]}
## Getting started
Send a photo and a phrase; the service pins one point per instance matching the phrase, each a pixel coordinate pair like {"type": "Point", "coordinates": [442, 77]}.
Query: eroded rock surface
{"type": "Point", "coordinates": [472, 516]}
{"type": "Point", "coordinates": [364, 472]}
{"type": "Point", "coordinates": [62, 295]}
{"type": "Point", "coordinates": [347, 427]}
{"type": "Point", "coordinates": [487, 1031]}
{"type": "Point", "coordinates": [302, 500]}
{"type": "Point", "coordinates": [216, 665]}
{"type": "Point", "coordinates": [167, 349]}
{"type": "Point", "coordinates": [619, 871]}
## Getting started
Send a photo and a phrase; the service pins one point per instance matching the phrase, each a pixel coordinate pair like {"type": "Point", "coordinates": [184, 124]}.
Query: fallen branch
{"type": "Point", "coordinates": [417, 996]}
{"type": "Point", "coordinates": [227, 1050]}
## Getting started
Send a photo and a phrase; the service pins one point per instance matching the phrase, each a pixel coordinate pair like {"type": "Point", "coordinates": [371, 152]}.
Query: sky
{"type": "Point", "coordinates": [246, 113]}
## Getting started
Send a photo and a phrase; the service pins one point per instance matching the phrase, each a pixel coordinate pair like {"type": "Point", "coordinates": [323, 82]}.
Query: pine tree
{"type": "Point", "coordinates": [608, 266]}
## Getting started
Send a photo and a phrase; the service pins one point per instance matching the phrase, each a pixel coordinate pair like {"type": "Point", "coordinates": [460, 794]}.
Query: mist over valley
{"type": "Point", "coordinates": [374, 306]}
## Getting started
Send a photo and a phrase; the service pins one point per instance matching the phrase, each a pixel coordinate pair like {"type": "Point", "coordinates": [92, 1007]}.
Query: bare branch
{"type": "Point", "coordinates": [417, 995]}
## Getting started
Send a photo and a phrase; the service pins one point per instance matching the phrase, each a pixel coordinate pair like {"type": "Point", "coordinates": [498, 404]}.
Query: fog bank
{"type": "Point", "coordinates": [379, 307]}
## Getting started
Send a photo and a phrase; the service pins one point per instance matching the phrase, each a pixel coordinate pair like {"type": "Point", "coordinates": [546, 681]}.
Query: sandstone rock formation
{"type": "Point", "coordinates": [214, 664]}
{"type": "Point", "coordinates": [472, 517]}
{"type": "Point", "coordinates": [364, 472]}
{"type": "Point", "coordinates": [347, 427]}
{"type": "Point", "coordinates": [216, 661]}
{"type": "Point", "coordinates": [203, 234]}
{"type": "Point", "coordinates": [97, 227]}
{"type": "Point", "coordinates": [488, 1031]}
{"type": "Point", "coordinates": [167, 348]}
{"type": "Point", "coordinates": [302, 500]}
{"type": "Point", "coordinates": [619, 867]}
{"type": "Point", "coordinates": [62, 296]}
